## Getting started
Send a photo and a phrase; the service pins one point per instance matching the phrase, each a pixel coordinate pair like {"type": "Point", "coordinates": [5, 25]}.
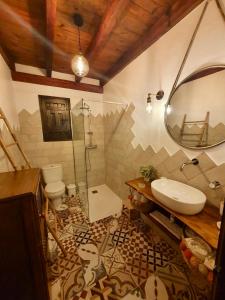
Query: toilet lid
{"type": "Point", "coordinates": [55, 187]}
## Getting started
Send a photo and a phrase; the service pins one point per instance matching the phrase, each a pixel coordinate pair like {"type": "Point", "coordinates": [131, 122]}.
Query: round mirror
{"type": "Point", "coordinates": [195, 112]}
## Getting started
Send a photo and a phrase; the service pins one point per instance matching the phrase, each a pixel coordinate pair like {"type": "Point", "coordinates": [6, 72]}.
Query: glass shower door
{"type": "Point", "coordinates": [79, 156]}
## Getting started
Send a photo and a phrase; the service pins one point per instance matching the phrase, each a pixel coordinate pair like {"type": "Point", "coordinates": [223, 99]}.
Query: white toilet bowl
{"type": "Point", "coordinates": [54, 188]}
{"type": "Point", "coordinates": [55, 191]}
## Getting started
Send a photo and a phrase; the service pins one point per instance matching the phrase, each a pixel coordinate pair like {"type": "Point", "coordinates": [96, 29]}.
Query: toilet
{"type": "Point", "coordinates": [54, 188]}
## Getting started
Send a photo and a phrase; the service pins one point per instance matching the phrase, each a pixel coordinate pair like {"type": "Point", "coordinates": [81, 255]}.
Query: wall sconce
{"type": "Point", "coordinates": [158, 96]}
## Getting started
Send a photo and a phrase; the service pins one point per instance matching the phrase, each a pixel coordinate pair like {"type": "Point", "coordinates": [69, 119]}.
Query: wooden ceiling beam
{"type": "Point", "coordinates": [61, 83]}
{"type": "Point", "coordinates": [8, 59]}
{"type": "Point", "coordinates": [112, 16]}
{"type": "Point", "coordinates": [50, 31]}
{"type": "Point", "coordinates": [171, 17]}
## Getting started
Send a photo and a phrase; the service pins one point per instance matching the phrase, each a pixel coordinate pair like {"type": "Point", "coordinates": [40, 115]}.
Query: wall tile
{"type": "Point", "coordinates": [175, 161]}
{"type": "Point", "coordinates": [123, 161]}
{"type": "Point", "coordinates": [115, 160]}
{"type": "Point", "coordinates": [217, 173]}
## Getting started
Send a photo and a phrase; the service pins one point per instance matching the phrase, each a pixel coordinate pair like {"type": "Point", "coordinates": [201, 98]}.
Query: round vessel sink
{"type": "Point", "coordinates": [178, 196]}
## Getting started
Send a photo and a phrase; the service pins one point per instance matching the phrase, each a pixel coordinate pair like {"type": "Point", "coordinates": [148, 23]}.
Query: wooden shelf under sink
{"type": "Point", "coordinates": [203, 223]}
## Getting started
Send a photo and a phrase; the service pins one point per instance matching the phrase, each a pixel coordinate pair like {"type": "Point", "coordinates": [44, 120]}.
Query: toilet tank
{"type": "Point", "coordinates": [52, 173]}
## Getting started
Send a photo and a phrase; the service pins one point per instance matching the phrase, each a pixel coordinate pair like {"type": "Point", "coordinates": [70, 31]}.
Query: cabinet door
{"type": "Point", "coordinates": [15, 266]}
{"type": "Point", "coordinates": [22, 269]}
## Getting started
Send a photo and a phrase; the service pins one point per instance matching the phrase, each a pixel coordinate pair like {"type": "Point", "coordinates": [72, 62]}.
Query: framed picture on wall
{"type": "Point", "coordinates": [55, 118]}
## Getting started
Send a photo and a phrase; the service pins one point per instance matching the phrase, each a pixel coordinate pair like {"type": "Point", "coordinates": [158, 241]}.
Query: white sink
{"type": "Point", "coordinates": [178, 196]}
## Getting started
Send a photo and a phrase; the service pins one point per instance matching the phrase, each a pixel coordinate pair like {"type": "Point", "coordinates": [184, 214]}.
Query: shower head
{"type": "Point", "coordinates": [85, 106]}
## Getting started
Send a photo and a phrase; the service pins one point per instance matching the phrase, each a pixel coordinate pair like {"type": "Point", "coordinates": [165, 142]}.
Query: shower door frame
{"type": "Point", "coordinates": [74, 152]}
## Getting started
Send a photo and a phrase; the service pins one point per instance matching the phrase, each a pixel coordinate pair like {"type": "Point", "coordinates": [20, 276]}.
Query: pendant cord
{"type": "Point", "coordinates": [79, 39]}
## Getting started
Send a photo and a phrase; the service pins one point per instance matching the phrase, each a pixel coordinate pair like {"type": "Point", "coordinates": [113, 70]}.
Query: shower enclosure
{"type": "Point", "coordinates": [97, 200]}
{"type": "Point", "coordinates": [79, 155]}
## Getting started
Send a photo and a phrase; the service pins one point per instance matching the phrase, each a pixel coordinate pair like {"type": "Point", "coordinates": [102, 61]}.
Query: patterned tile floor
{"type": "Point", "coordinates": [113, 259]}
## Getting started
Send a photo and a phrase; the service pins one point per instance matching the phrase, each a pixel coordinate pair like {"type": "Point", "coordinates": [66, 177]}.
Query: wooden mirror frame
{"type": "Point", "coordinates": [193, 76]}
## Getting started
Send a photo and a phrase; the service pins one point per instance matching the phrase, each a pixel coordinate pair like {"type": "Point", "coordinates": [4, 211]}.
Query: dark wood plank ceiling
{"type": "Point", "coordinates": [114, 31]}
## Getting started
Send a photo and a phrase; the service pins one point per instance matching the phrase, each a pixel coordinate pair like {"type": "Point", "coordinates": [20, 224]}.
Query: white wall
{"type": "Point", "coordinates": [26, 96]}
{"type": "Point", "coordinates": [6, 95]}
{"type": "Point", "coordinates": [157, 68]}
{"type": "Point", "coordinates": [8, 107]}
{"type": "Point", "coordinates": [40, 153]}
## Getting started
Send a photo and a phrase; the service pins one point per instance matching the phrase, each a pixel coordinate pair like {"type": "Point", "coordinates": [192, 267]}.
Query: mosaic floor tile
{"type": "Point", "coordinates": [176, 282]}
{"type": "Point", "coordinates": [156, 289]}
{"type": "Point", "coordinates": [77, 217]}
{"type": "Point", "coordinates": [73, 202]}
{"type": "Point", "coordinates": [80, 227]}
{"type": "Point", "coordinates": [55, 290]}
{"type": "Point", "coordinates": [123, 283]}
{"type": "Point", "coordinates": [134, 245]}
{"type": "Point", "coordinates": [73, 283]}
{"type": "Point", "coordinates": [120, 237]}
{"type": "Point", "coordinates": [69, 244]}
{"type": "Point", "coordinates": [102, 289]}
{"type": "Point", "coordinates": [115, 258]}
{"type": "Point", "coordinates": [138, 269]}
{"type": "Point", "coordinates": [68, 229]}
{"type": "Point", "coordinates": [105, 243]}
{"type": "Point", "coordinates": [136, 294]}
{"type": "Point", "coordinates": [112, 260]}
{"type": "Point", "coordinates": [98, 229]}
{"type": "Point", "coordinates": [92, 263]}
{"type": "Point", "coordinates": [68, 263]}
{"type": "Point", "coordinates": [165, 248]}
{"type": "Point", "coordinates": [53, 271]}
{"type": "Point", "coordinates": [83, 237]}
{"type": "Point", "coordinates": [112, 225]}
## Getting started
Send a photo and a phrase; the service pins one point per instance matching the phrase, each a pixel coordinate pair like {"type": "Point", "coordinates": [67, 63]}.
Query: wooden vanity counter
{"type": "Point", "coordinates": [204, 223]}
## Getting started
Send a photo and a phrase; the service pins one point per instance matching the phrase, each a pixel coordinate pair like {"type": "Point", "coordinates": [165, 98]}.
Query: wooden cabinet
{"type": "Point", "coordinates": [23, 273]}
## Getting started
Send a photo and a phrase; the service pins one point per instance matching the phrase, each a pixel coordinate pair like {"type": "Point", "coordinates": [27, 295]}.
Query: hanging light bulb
{"type": "Point", "coordinates": [149, 104]}
{"type": "Point", "coordinates": [79, 63]}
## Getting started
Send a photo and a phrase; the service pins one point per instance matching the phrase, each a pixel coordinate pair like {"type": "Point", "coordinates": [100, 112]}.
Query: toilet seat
{"type": "Point", "coordinates": [55, 187]}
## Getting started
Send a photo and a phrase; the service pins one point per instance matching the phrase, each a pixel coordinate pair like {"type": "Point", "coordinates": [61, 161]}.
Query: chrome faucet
{"type": "Point", "coordinates": [194, 161]}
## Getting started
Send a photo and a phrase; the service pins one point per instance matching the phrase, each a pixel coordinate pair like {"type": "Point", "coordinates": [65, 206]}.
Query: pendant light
{"type": "Point", "coordinates": [79, 63]}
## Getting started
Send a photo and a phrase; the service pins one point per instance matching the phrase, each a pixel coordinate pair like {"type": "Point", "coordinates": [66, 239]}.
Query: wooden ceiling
{"type": "Point", "coordinates": [41, 33]}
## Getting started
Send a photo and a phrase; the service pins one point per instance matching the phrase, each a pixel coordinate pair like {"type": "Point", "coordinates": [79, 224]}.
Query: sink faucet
{"type": "Point", "coordinates": [194, 161]}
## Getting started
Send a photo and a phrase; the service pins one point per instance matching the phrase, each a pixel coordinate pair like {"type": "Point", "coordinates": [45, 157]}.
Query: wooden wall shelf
{"type": "Point", "coordinates": [204, 223]}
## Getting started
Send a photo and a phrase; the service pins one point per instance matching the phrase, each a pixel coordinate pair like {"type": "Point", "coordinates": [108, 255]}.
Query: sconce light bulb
{"type": "Point", "coordinates": [168, 109]}
{"type": "Point", "coordinates": [149, 107]}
